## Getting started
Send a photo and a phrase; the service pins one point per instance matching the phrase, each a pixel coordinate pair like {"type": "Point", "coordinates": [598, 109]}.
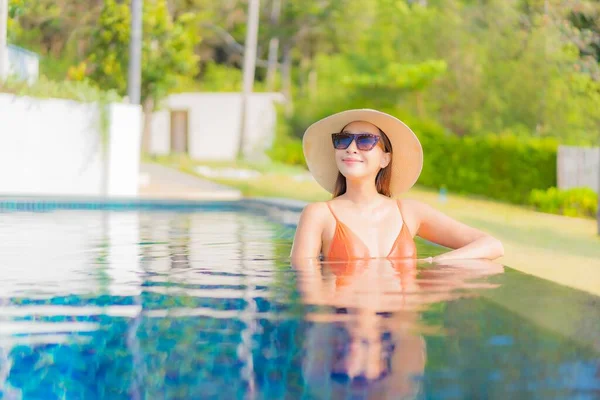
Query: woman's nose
{"type": "Point", "coordinates": [352, 148]}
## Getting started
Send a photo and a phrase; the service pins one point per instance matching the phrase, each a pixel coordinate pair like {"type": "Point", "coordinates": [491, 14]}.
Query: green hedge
{"type": "Point", "coordinates": [576, 202]}
{"type": "Point", "coordinates": [502, 167]}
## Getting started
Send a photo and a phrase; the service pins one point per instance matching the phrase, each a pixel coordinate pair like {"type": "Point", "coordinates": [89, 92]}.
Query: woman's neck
{"type": "Point", "coordinates": [361, 192]}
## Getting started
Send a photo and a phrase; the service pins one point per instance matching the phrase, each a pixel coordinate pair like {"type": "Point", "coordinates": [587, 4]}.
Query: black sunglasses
{"type": "Point", "coordinates": [364, 141]}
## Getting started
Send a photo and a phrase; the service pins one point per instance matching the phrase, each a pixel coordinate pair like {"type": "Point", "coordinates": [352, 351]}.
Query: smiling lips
{"type": "Point", "coordinates": [350, 160]}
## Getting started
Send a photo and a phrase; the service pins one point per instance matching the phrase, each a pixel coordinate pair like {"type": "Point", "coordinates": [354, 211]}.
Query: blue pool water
{"type": "Point", "coordinates": [201, 303]}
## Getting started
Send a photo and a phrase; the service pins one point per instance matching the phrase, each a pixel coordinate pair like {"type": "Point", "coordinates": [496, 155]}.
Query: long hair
{"type": "Point", "coordinates": [383, 178]}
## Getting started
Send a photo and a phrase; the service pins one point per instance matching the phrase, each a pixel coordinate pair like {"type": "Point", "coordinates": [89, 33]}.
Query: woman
{"type": "Point", "coordinates": [366, 158]}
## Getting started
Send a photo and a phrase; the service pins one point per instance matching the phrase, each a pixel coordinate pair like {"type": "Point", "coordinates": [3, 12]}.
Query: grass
{"type": "Point", "coordinates": [559, 248]}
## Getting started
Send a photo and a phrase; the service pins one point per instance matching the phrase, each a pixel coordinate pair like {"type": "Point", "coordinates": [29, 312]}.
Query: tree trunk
{"type": "Point", "coordinates": [147, 108]}
{"type": "Point", "coordinates": [272, 63]}
{"type": "Point", "coordinates": [286, 78]}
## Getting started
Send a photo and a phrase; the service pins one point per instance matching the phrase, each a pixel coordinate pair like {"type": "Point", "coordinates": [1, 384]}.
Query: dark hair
{"type": "Point", "coordinates": [383, 178]}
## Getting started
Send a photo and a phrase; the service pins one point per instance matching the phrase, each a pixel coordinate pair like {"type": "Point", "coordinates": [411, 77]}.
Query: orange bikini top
{"type": "Point", "coordinates": [346, 245]}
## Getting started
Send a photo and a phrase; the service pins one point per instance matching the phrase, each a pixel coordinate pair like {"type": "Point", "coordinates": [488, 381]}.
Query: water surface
{"type": "Point", "coordinates": [204, 304]}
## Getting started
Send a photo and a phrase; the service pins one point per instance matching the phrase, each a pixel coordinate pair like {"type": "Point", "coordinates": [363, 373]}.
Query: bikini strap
{"type": "Point", "coordinates": [399, 203]}
{"type": "Point", "coordinates": [332, 213]}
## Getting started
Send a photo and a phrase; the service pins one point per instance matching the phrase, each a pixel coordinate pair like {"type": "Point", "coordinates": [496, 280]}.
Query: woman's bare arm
{"type": "Point", "coordinates": [308, 238]}
{"type": "Point", "coordinates": [467, 242]}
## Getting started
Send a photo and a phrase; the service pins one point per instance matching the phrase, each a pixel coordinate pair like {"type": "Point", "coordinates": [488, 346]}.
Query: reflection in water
{"type": "Point", "coordinates": [158, 304]}
{"type": "Point", "coordinates": [370, 339]}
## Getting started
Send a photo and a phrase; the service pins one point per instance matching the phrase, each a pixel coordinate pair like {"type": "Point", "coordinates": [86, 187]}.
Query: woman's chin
{"type": "Point", "coordinates": [355, 175]}
{"type": "Point", "coordinates": [352, 170]}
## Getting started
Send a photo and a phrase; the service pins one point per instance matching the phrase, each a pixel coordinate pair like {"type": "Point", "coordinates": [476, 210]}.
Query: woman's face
{"type": "Point", "coordinates": [361, 164]}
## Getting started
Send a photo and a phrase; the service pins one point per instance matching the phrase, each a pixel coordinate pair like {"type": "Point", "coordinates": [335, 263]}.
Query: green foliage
{"type": "Point", "coordinates": [489, 98]}
{"type": "Point", "coordinates": [489, 67]}
{"type": "Point", "coordinates": [167, 50]}
{"type": "Point", "coordinates": [83, 91]}
{"type": "Point", "coordinates": [525, 67]}
{"type": "Point", "coordinates": [221, 78]}
{"type": "Point", "coordinates": [576, 202]}
{"type": "Point", "coordinates": [397, 76]}
{"type": "Point", "coordinates": [16, 8]}
{"type": "Point", "coordinates": [502, 167]}
{"type": "Point", "coordinates": [286, 148]}
{"type": "Point", "coordinates": [109, 49]}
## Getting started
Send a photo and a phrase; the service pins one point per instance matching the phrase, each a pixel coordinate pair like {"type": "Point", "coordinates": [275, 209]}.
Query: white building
{"type": "Point", "coordinates": [207, 125]}
{"type": "Point", "coordinates": [23, 64]}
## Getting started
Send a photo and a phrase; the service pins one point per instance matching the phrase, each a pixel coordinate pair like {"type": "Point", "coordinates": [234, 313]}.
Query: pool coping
{"type": "Point", "coordinates": [41, 203]}
{"type": "Point", "coordinates": [33, 203]}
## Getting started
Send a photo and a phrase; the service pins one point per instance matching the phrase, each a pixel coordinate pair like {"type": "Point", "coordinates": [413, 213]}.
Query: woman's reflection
{"type": "Point", "coordinates": [371, 344]}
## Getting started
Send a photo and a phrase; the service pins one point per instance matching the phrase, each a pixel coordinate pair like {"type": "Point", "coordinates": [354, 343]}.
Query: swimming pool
{"type": "Point", "coordinates": [199, 301]}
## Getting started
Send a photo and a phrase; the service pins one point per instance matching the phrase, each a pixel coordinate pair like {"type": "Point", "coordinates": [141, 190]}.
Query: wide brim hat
{"type": "Point", "coordinates": [320, 155]}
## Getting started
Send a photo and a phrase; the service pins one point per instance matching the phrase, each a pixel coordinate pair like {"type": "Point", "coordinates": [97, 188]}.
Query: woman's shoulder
{"type": "Point", "coordinates": [414, 207]}
{"type": "Point", "coordinates": [314, 215]}
{"type": "Point", "coordinates": [412, 203]}
{"type": "Point", "coordinates": [420, 211]}
{"type": "Point", "coordinates": [315, 209]}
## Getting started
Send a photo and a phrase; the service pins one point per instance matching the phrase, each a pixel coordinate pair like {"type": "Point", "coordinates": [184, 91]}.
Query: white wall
{"type": "Point", "coordinates": [214, 124]}
{"type": "Point", "coordinates": [53, 147]}
{"type": "Point", "coordinates": [124, 151]}
{"type": "Point", "coordinates": [160, 134]}
{"type": "Point", "coordinates": [578, 167]}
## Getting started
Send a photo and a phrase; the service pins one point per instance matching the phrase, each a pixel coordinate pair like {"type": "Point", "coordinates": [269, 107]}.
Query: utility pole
{"type": "Point", "coordinates": [249, 67]}
{"type": "Point", "coordinates": [134, 78]}
{"type": "Point", "coordinates": [3, 40]}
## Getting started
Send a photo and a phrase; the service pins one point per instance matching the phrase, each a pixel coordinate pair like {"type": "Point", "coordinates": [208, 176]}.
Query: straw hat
{"type": "Point", "coordinates": [320, 154]}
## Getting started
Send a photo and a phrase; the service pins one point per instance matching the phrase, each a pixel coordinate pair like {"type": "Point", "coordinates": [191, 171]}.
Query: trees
{"type": "Point", "coordinates": [530, 67]}
{"type": "Point", "coordinates": [167, 51]}
{"type": "Point", "coordinates": [490, 67]}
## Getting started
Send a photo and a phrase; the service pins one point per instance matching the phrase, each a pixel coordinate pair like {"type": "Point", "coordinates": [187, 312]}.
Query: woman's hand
{"type": "Point", "coordinates": [484, 247]}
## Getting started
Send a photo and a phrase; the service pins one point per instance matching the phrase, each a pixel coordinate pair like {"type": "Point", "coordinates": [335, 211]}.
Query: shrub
{"type": "Point", "coordinates": [287, 151]}
{"type": "Point", "coordinates": [82, 91]}
{"type": "Point", "coordinates": [286, 148]}
{"type": "Point", "coordinates": [576, 202]}
{"type": "Point", "coordinates": [502, 167]}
